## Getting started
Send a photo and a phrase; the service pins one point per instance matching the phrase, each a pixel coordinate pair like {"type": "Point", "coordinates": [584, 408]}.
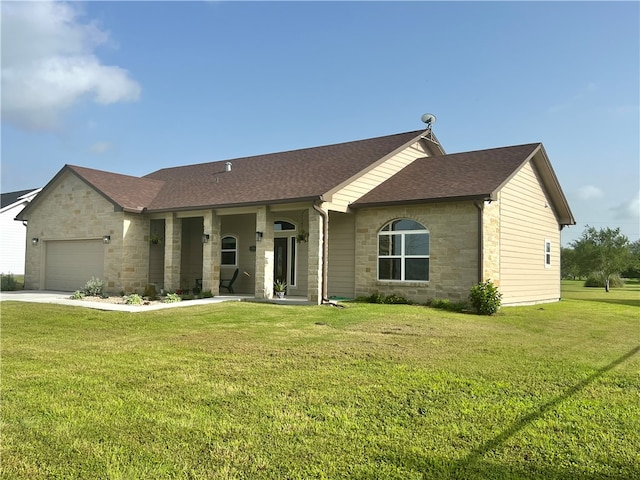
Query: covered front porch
{"type": "Point", "coordinates": [199, 249]}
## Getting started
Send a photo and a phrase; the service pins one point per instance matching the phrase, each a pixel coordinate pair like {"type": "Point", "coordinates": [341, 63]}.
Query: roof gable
{"type": "Point", "coordinates": [124, 191]}
{"type": "Point", "coordinates": [475, 174]}
{"type": "Point", "coordinates": [278, 177]}
{"type": "Point", "coordinates": [469, 175]}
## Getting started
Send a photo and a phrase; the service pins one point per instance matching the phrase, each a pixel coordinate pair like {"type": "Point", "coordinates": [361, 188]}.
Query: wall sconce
{"type": "Point", "coordinates": [106, 239]}
{"type": "Point", "coordinates": [205, 238]}
{"type": "Point", "coordinates": [35, 241]}
{"type": "Point", "coordinates": [258, 236]}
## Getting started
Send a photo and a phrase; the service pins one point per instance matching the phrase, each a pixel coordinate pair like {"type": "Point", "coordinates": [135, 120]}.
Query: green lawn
{"type": "Point", "coordinates": [253, 391]}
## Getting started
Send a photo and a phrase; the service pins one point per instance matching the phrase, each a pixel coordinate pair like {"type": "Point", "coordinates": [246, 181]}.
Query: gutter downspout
{"type": "Point", "coordinates": [480, 207]}
{"type": "Point", "coordinates": [325, 252]}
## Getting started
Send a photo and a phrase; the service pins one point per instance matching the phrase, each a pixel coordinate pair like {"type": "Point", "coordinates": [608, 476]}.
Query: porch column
{"type": "Point", "coordinates": [264, 254]}
{"type": "Point", "coordinates": [211, 253]}
{"type": "Point", "coordinates": [314, 278]}
{"type": "Point", "coordinates": [172, 252]}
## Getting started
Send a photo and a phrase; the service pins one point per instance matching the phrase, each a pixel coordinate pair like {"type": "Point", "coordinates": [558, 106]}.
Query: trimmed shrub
{"type": "Point", "coordinates": [172, 298]}
{"type": "Point", "coordinates": [133, 299]}
{"type": "Point", "coordinates": [93, 287]}
{"type": "Point", "coordinates": [206, 294]}
{"type": "Point", "coordinates": [597, 281]}
{"type": "Point", "coordinates": [77, 295]}
{"type": "Point", "coordinates": [485, 298]}
{"type": "Point", "coordinates": [448, 305]}
{"type": "Point", "coordinates": [8, 283]}
{"type": "Point", "coordinates": [392, 299]}
{"type": "Point", "coordinates": [150, 292]}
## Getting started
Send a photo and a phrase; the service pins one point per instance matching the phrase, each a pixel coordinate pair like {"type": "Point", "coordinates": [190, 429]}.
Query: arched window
{"type": "Point", "coordinates": [403, 251]}
{"type": "Point", "coordinates": [229, 251]}
{"type": "Point", "coordinates": [281, 225]}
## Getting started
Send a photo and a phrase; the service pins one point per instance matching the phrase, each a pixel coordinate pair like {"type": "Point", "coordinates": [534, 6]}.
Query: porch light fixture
{"type": "Point", "coordinates": [205, 238]}
{"type": "Point", "coordinates": [258, 236]}
{"type": "Point", "coordinates": [35, 241]}
{"type": "Point", "coordinates": [106, 239]}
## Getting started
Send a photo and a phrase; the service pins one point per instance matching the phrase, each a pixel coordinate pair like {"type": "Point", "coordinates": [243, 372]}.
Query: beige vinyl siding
{"type": "Point", "coordinates": [243, 227]}
{"type": "Point", "coordinates": [526, 222]}
{"type": "Point", "coordinates": [156, 255]}
{"type": "Point", "coordinates": [341, 274]}
{"type": "Point", "coordinates": [368, 181]}
{"type": "Point", "coordinates": [191, 252]}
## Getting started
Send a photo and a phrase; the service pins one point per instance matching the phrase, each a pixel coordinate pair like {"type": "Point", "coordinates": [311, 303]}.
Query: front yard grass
{"type": "Point", "coordinates": [251, 391]}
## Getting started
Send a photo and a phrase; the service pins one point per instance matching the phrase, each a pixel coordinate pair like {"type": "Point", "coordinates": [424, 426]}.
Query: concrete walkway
{"type": "Point", "coordinates": [64, 298]}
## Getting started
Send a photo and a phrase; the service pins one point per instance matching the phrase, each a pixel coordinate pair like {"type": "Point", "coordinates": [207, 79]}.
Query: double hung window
{"type": "Point", "coordinates": [229, 251]}
{"type": "Point", "coordinates": [403, 251]}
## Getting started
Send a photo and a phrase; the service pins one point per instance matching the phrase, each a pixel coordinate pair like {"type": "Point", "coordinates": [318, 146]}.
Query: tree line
{"type": "Point", "coordinates": [602, 257]}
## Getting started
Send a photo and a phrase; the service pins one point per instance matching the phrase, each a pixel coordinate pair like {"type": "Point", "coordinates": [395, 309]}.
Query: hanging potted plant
{"type": "Point", "coordinates": [280, 288]}
{"type": "Point", "coordinates": [155, 239]}
{"type": "Point", "coordinates": [302, 236]}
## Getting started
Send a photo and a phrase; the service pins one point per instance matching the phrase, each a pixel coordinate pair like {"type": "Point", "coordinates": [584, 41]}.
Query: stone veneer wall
{"type": "Point", "coordinates": [71, 210]}
{"type": "Point", "coordinates": [453, 268]}
{"type": "Point", "coordinates": [491, 242]}
{"type": "Point", "coordinates": [133, 264]}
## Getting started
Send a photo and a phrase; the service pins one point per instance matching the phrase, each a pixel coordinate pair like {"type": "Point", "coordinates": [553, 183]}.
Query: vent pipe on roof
{"type": "Point", "coordinates": [227, 167]}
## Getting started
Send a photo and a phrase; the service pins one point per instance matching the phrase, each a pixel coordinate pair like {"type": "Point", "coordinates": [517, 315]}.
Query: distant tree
{"type": "Point", "coordinates": [568, 266]}
{"type": "Point", "coordinates": [633, 270]}
{"type": "Point", "coordinates": [603, 252]}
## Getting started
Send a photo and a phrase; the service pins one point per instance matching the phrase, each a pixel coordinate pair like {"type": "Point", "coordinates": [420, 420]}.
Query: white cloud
{"type": "Point", "coordinates": [589, 192]}
{"type": "Point", "coordinates": [48, 64]}
{"type": "Point", "coordinates": [100, 147]}
{"type": "Point", "coordinates": [628, 210]}
{"type": "Point", "coordinates": [582, 94]}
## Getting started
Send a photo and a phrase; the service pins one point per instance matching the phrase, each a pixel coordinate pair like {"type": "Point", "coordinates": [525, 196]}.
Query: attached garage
{"type": "Point", "coordinates": [70, 263]}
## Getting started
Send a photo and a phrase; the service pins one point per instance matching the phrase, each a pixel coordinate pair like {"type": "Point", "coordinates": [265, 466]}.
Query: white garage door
{"type": "Point", "coordinates": [70, 263]}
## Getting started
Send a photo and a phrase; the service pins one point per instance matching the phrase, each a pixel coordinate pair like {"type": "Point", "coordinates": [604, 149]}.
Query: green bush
{"type": "Point", "coordinates": [8, 283]}
{"type": "Point", "coordinates": [485, 298]}
{"type": "Point", "coordinates": [386, 299]}
{"type": "Point", "coordinates": [206, 294]}
{"type": "Point", "coordinates": [448, 305]}
{"type": "Point", "coordinates": [172, 298]}
{"type": "Point", "coordinates": [93, 287]}
{"type": "Point", "coordinates": [597, 281]}
{"type": "Point", "coordinates": [150, 292]}
{"type": "Point", "coordinates": [394, 299]}
{"type": "Point", "coordinates": [133, 299]}
{"type": "Point", "coordinates": [77, 295]}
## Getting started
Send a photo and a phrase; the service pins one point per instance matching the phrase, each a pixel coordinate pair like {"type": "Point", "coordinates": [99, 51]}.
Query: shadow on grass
{"type": "Point", "coordinates": [616, 301]}
{"type": "Point", "coordinates": [473, 461]}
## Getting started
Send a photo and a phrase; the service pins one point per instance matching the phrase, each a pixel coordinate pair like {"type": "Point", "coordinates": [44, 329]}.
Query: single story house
{"type": "Point", "coordinates": [392, 214]}
{"type": "Point", "coordinates": [12, 234]}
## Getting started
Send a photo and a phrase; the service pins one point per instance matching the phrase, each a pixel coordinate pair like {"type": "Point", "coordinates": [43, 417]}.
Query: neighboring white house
{"type": "Point", "coordinates": [13, 234]}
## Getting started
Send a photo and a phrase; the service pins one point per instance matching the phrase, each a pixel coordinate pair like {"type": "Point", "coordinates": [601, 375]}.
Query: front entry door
{"type": "Point", "coordinates": [280, 259]}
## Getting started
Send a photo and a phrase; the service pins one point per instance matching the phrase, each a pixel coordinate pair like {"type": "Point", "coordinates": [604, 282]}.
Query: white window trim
{"type": "Point", "coordinates": [402, 256]}
{"type": "Point", "coordinates": [547, 253]}
{"type": "Point", "coordinates": [235, 250]}
{"type": "Point", "coordinates": [290, 235]}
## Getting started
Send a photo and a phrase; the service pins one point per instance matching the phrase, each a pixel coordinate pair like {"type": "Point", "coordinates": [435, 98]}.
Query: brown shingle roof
{"type": "Point", "coordinates": [475, 174]}
{"type": "Point", "coordinates": [286, 176]}
{"type": "Point", "coordinates": [127, 192]}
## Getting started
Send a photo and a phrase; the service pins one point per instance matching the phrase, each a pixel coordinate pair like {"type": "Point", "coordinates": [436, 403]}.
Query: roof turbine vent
{"type": "Point", "coordinates": [227, 167]}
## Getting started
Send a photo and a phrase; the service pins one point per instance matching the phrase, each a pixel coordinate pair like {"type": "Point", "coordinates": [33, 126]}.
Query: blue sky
{"type": "Point", "coordinates": [132, 87]}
